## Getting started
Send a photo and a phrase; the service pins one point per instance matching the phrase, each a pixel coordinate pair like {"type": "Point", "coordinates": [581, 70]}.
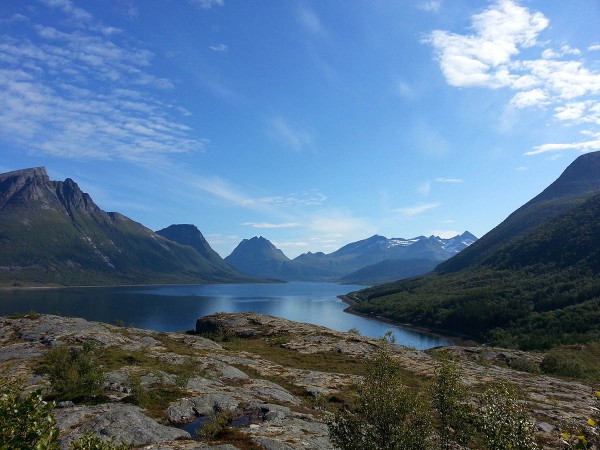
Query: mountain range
{"type": "Point", "coordinates": [369, 261]}
{"type": "Point", "coordinates": [52, 233]}
{"type": "Point", "coordinates": [533, 281]}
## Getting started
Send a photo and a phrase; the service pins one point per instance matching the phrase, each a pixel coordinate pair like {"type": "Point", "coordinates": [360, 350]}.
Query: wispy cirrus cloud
{"type": "Point", "coordinates": [219, 48]}
{"type": "Point", "coordinates": [269, 225]}
{"type": "Point", "coordinates": [288, 135]}
{"type": "Point", "coordinates": [416, 210]}
{"type": "Point", "coordinates": [491, 56]}
{"type": "Point", "coordinates": [430, 5]}
{"type": "Point", "coordinates": [338, 223]}
{"type": "Point", "coordinates": [226, 191]}
{"type": "Point", "coordinates": [309, 198]}
{"type": "Point", "coordinates": [207, 4]}
{"type": "Point", "coordinates": [425, 188]}
{"type": "Point", "coordinates": [585, 146]}
{"type": "Point", "coordinates": [310, 21]}
{"type": "Point", "coordinates": [449, 180]}
{"type": "Point", "coordinates": [79, 92]}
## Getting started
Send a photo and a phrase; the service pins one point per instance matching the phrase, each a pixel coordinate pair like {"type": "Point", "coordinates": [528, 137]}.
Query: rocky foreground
{"type": "Point", "coordinates": [274, 375]}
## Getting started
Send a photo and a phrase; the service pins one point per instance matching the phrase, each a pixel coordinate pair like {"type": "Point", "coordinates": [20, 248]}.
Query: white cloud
{"type": "Point", "coordinates": [272, 225]}
{"type": "Point", "coordinates": [491, 57]}
{"type": "Point", "coordinates": [584, 147]}
{"type": "Point", "coordinates": [521, 169]}
{"type": "Point", "coordinates": [564, 51]}
{"type": "Point", "coordinates": [224, 190]}
{"type": "Point", "coordinates": [430, 5]}
{"type": "Point", "coordinates": [571, 111]}
{"type": "Point", "coordinates": [290, 244]}
{"type": "Point", "coordinates": [219, 48]}
{"type": "Point", "coordinates": [339, 225]}
{"type": "Point", "coordinates": [412, 211]}
{"type": "Point", "coordinates": [405, 91]}
{"type": "Point", "coordinates": [594, 48]}
{"type": "Point", "coordinates": [449, 180]}
{"type": "Point", "coordinates": [207, 4]}
{"type": "Point", "coordinates": [309, 198]}
{"type": "Point", "coordinates": [479, 59]}
{"type": "Point", "coordinates": [424, 188]}
{"type": "Point", "coordinates": [310, 21]}
{"type": "Point", "coordinates": [526, 99]}
{"type": "Point", "coordinates": [288, 135]}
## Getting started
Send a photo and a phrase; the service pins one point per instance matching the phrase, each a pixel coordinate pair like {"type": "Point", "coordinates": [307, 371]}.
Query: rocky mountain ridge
{"type": "Point", "coordinates": [52, 233]}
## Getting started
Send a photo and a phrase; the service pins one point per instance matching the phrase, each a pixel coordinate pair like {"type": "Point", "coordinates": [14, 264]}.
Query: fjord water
{"type": "Point", "coordinates": [176, 308]}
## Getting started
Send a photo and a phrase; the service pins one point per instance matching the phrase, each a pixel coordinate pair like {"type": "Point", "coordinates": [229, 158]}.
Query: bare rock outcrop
{"type": "Point", "coordinates": [269, 373]}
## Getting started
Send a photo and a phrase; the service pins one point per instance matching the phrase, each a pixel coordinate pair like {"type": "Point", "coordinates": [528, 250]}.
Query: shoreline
{"type": "Point", "coordinates": [455, 339]}
{"type": "Point", "coordinates": [145, 285]}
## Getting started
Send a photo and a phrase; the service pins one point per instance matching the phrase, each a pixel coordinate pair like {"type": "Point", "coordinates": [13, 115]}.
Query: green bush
{"type": "Point", "coordinates": [563, 365]}
{"type": "Point", "coordinates": [504, 421]}
{"type": "Point", "coordinates": [26, 420]}
{"type": "Point", "coordinates": [74, 372]}
{"type": "Point", "coordinates": [92, 442]}
{"type": "Point", "coordinates": [524, 365]}
{"type": "Point", "coordinates": [387, 415]}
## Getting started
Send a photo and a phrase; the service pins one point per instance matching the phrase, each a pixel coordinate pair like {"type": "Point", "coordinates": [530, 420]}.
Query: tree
{"type": "Point", "coordinates": [450, 401]}
{"type": "Point", "coordinates": [387, 415]}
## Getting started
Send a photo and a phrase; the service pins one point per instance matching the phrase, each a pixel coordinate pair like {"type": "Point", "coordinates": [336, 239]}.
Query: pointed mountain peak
{"type": "Point", "coordinates": [72, 197]}
{"type": "Point", "coordinates": [188, 234]}
{"type": "Point", "coordinates": [255, 246]}
{"type": "Point", "coordinates": [468, 235]}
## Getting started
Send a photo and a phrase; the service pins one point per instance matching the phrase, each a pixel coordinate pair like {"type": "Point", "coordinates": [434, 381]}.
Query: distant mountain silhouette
{"type": "Point", "coordinates": [52, 233]}
{"type": "Point", "coordinates": [533, 281]}
{"type": "Point", "coordinates": [259, 257]}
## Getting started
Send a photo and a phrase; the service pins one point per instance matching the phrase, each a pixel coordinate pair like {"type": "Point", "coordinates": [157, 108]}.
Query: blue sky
{"type": "Point", "coordinates": [311, 123]}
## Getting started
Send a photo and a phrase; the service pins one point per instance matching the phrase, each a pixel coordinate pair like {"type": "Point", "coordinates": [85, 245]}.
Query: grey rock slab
{"type": "Point", "coordinates": [124, 423]}
{"type": "Point", "coordinates": [271, 444]}
{"type": "Point", "coordinates": [200, 384]}
{"type": "Point", "coordinates": [21, 351]}
{"type": "Point", "coordinates": [271, 391]}
{"type": "Point", "coordinates": [223, 370]}
{"type": "Point", "coordinates": [185, 410]}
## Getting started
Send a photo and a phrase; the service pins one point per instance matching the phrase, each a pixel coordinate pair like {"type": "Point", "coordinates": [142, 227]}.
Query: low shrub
{"type": "Point", "coordinates": [74, 372]}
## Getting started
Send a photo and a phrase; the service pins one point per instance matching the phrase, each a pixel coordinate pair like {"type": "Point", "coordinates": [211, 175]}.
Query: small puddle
{"type": "Point", "coordinates": [194, 427]}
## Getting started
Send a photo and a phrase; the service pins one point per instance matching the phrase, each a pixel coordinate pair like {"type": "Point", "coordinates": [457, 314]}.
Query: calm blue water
{"type": "Point", "coordinates": [176, 308]}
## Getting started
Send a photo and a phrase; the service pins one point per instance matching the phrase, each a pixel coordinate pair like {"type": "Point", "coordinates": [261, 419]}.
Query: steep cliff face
{"type": "Point", "coordinates": [53, 233]}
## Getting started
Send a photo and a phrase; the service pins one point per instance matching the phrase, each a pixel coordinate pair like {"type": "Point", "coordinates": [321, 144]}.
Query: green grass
{"type": "Point", "coordinates": [332, 362]}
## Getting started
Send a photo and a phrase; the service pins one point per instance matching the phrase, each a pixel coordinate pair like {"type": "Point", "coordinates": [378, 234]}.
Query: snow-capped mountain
{"type": "Point", "coordinates": [430, 251]}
